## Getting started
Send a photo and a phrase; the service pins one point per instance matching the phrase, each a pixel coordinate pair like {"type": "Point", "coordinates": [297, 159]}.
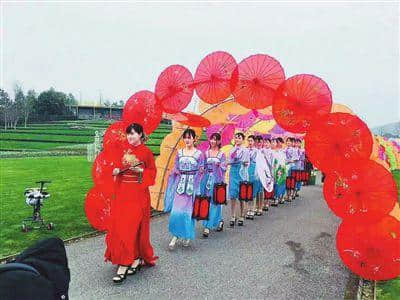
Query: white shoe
{"type": "Point", "coordinates": [172, 244]}
{"type": "Point", "coordinates": [186, 243]}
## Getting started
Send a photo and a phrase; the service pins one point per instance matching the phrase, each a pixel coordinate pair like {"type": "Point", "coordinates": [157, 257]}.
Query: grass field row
{"type": "Point", "coordinates": [15, 145]}
{"type": "Point", "coordinates": [50, 132]}
{"type": "Point", "coordinates": [46, 137]}
{"type": "Point", "coordinates": [78, 126]}
{"type": "Point", "coordinates": [71, 132]}
{"type": "Point", "coordinates": [46, 146]}
{"type": "Point", "coordinates": [62, 139]}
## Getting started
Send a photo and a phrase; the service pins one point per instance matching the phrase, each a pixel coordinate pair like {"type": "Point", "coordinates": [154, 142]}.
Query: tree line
{"type": "Point", "coordinates": [48, 105]}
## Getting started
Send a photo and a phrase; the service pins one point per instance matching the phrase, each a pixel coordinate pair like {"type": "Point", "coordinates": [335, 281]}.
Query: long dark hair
{"type": "Point", "coordinates": [240, 134]}
{"type": "Point", "coordinates": [217, 137]}
{"type": "Point", "coordinates": [138, 129]}
{"type": "Point", "coordinates": [189, 132]}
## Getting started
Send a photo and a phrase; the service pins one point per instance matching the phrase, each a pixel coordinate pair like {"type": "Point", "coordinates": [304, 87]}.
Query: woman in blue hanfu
{"type": "Point", "coordinates": [299, 163]}
{"type": "Point", "coordinates": [253, 178]}
{"type": "Point", "coordinates": [279, 169]}
{"type": "Point", "coordinates": [291, 159]}
{"type": "Point", "coordinates": [267, 178]}
{"type": "Point", "coordinates": [183, 185]}
{"type": "Point", "coordinates": [215, 168]}
{"type": "Point", "coordinates": [239, 162]}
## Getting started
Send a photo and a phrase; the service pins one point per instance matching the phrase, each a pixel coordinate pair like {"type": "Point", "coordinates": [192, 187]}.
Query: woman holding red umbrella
{"type": "Point", "coordinates": [128, 234]}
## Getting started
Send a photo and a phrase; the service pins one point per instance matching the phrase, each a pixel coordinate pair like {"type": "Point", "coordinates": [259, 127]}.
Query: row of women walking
{"type": "Point", "coordinates": [264, 163]}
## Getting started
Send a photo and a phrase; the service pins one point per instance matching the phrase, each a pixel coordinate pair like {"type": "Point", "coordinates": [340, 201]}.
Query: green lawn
{"type": "Point", "coordinates": [71, 179]}
{"type": "Point", "coordinates": [74, 132]}
{"type": "Point", "coordinates": [46, 137]}
{"type": "Point", "coordinates": [32, 146]}
{"type": "Point", "coordinates": [65, 135]}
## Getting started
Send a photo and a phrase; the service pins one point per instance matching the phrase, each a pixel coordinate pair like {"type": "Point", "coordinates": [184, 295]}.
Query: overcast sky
{"type": "Point", "coordinates": [120, 48]}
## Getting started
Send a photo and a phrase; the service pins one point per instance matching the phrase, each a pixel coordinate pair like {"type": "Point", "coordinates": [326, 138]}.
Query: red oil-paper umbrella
{"type": "Point", "coordinates": [337, 137]}
{"type": "Point", "coordinates": [213, 77]}
{"type": "Point", "coordinates": [144, 109]}
{"type": "Point", "coordinates": [299, 100]}
{"type": "Point", "coordinates": [361, 190]}
{"type": "Point", "coordinates": [97, 208]}
{"type": "Point", "coordinates": [372, 251]}
{"type": "Point", "coordinates": [255, 80]}
{"type": "Point", "coordinates": [115, 137]}
{"type": "Point", "coordinates": [102, 173]}
{"type": "Point", "coordinates": [195, 120]}
{"type": "Point", "coordinates": [174, 88]}
{"type": "Point", "coordinates": [175, 117]}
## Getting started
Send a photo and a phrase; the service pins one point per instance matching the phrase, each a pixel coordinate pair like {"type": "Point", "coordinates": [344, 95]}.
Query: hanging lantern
{"type": "Point", "coordinates": [290, 182]}
{"type": "Point", "coordinates": [245, 191]}
{"type": "Point", "coordinates": [307, 176]}
{"type": "Point", "coordinates": [220, 193]}
{"type": "Point", "coordinates": [294, 174]}
{"type": "Point", "coordinates": [201, 207]}
{"type": "Point", "coordinates": [302, 175]}
{"type": "Point", "coordinates": [268, 195]}
{"type": "Point", "coordinates": [297, 175]}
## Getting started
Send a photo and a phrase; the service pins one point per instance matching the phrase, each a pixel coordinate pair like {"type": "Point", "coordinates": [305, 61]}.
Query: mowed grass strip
{"type": "Point", "coordinates": [72, 132]}
{"type": "Point", "coordinates": [46, 138]}
{"type": "Point", "coordinates": [71, 180]}
{"type": "Point", "coordinates": [34, 146]}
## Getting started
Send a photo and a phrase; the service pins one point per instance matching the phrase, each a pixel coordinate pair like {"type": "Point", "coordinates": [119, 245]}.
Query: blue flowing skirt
{"type": "Point", "coordinates": [234, 180]}
{"type": "Point", "coordinates": [181, 223]}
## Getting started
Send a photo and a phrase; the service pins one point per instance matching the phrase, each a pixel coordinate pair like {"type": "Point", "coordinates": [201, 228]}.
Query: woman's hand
{"type": "Point", "coordinates": [137, 169]}
{"type": "Point", "coordinates": [115, 171]}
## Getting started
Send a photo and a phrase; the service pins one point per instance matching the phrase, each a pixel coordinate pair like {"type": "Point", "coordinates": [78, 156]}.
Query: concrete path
{"type": "Point", "coordinates": [289, 253]}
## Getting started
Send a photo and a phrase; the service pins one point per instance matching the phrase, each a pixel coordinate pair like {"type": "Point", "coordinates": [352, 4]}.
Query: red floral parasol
{"type": "Point", "coordinates": [115, 136]}
{"type": "Point", "coordinates": [97, 208]}
{"type": "Point", "coordinates": [213, 76]}
{"type": "Point", "coordinates": [362, 190]}
{"type": "Point", "coordinates": [371, 251]}
{"type": "Point", "coordinates": [336, 137]}
{"type": "Point", "coordinates": [176, 117]}
{"type": "Point", "coordinates": [174, 88]}
{"type": "Point", "coordinates": [195, 120]}
{"type": "Point", "coordinates": [143, 108]}
{"type": "Point", "coordinates": [299, 100]}
{"type": "Point", "coordinates": [102, 174]}
{"type": "Point", "coordinates": [255, 81]}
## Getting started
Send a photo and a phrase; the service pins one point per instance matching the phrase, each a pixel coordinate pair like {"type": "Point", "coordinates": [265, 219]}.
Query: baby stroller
{"type": "Point", "coordinates": [35, 197]}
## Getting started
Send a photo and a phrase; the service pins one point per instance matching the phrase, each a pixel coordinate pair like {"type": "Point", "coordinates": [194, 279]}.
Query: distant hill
{"type": "Point", "coordinates": [388, 130]}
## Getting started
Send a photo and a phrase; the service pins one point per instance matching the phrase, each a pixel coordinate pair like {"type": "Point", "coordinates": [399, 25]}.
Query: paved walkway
{"type": "Point", "coordinates": [289, 253]}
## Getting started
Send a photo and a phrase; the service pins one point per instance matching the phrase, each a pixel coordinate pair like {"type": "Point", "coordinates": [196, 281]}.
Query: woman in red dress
{"type": "Point", "coordinates": [128, 235]}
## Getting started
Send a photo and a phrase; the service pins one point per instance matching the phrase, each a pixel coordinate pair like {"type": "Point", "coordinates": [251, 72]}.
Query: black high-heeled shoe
{"type": "Point", "coordinates": [240, 222]}
{"type": "Point", "coordinates": [206, 233]}
{"type": "Point", "coordinates": [232, 223]}
{"type": "Point", "coordinates": [134, 270]}
{"type": "Point", "coordinates": [119, 278]}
